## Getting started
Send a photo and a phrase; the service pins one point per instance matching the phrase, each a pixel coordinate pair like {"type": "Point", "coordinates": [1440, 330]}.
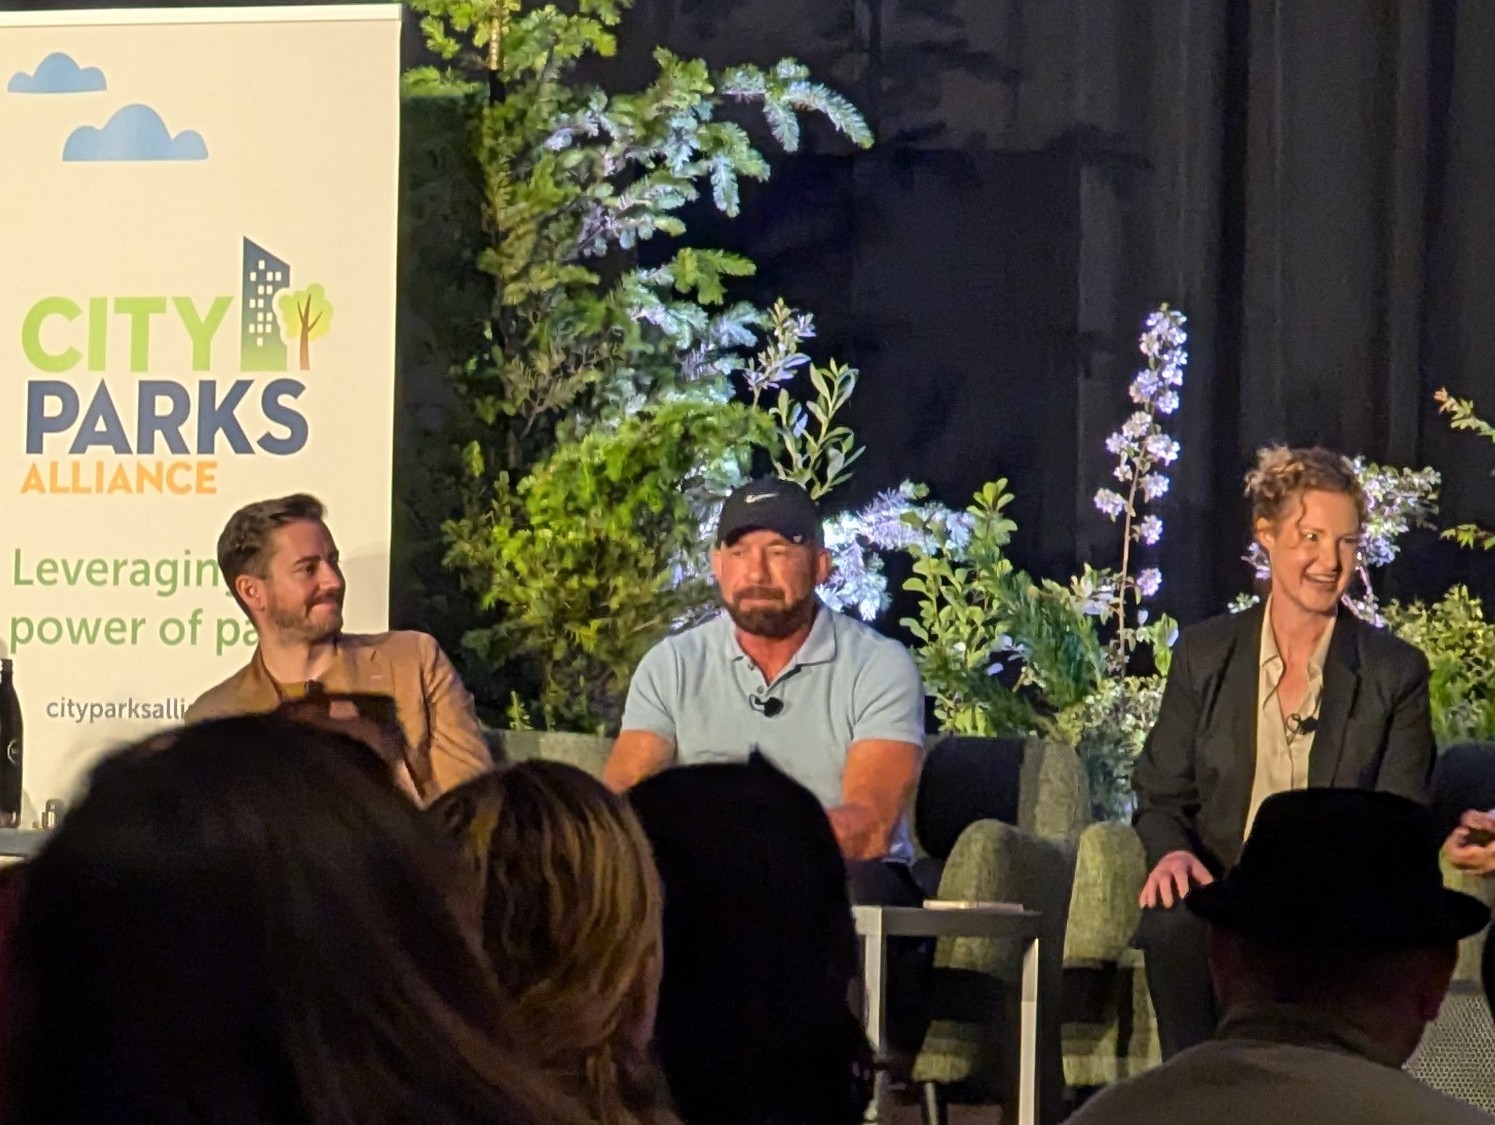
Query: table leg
{"type": "Point", "coordinates": [874, 992]}
{"type": "Point", "coordinates": [1027, 1098]}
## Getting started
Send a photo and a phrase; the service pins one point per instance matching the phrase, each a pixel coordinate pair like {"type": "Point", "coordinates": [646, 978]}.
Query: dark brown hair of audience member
{"type": "Point", "coordinates": [244, 545]}
{"type": "Point", "coordinates": [245, 923]}
{"type": "Point", "coordinates": [760, 953]}
{"type": "Point", "coordinates": [570, 906]}
{"type": "Point", "coordinates": [1282, 475]}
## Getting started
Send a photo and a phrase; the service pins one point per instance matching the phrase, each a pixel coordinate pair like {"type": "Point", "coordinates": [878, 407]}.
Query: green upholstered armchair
{"type": "Point", "coordinates": [1471, 949]}
{"type": "Point", "coordinates": [1110, 1031]}
{"type": "Point", "coordinates": [1030, 861]}
{"type": "Point", "coordinates": [585, 751]}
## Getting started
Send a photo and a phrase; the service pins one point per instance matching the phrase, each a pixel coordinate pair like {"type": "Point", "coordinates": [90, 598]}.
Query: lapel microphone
{"type": "Point", "coordinates": [768, 708]}
{"type": "Point", "coordinates": [1297, 724]}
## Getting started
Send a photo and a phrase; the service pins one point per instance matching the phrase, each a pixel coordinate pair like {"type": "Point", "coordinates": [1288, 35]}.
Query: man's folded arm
{"type": "Point", "coordinates": [875, 786]}
{"type": "Point", "coordinates": [882, 763]}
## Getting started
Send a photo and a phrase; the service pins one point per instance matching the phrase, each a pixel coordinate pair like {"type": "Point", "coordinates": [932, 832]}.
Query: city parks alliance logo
{"type": "Point", "coordinates": [161, 431]}
{"type": "Point", "coordinates": [164, 423]}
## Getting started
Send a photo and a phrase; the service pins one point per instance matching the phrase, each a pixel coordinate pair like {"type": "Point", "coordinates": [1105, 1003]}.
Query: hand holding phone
{"type": "Point", "coordinates": [1471, 846]}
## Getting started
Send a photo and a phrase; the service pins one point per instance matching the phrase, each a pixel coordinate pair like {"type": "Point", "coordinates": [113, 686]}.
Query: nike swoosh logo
{"type": "Point", "coordinates": [759, 496]}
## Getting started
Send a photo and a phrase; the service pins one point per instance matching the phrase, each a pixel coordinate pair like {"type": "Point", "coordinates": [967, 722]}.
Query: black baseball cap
{"type": "Point", "coordinates": [770, 505]}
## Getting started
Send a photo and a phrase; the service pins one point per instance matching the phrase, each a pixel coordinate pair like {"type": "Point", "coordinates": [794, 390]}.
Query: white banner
{"type": "Point", "coordinates": [197, 310]}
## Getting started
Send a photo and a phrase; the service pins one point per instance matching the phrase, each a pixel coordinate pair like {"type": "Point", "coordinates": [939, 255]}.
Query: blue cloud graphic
{"type": "Point", "coordinates": [134, 133]}
{"type": "Point", "coordinates": [58, 74]}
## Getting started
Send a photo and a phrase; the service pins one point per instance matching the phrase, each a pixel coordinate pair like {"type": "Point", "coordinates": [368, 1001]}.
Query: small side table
{"type": "Point", "coordinates": [875, 924]}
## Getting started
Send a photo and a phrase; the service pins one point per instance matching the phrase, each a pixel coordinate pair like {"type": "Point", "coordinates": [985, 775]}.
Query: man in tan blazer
{"type": "Point", "coordinates": [281, 565]}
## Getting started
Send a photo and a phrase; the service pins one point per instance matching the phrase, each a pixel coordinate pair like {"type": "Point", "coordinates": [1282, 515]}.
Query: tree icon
{"type": "Point", "coordinates": [305, 315]}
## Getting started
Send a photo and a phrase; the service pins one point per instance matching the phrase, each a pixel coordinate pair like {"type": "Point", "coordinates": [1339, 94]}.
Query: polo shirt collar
{"type": "Point", "coordinates": [819, 646]}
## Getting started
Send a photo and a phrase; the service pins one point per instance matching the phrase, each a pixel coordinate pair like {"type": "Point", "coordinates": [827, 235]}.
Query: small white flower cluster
{"type": "Point", "coordinates": [1149, 581]}
{"type": "Point", "coordinates": [897, 519]}
{"type": "Point", "coordinates": [1396, 500]}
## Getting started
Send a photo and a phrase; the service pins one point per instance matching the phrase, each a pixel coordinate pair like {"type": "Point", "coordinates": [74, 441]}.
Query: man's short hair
{"type": "Point", "coordinates": [244, 546]}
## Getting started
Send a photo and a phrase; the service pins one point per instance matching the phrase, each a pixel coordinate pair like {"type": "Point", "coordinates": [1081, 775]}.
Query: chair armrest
{"type": "Point", "coordinates": [1481, 887]}
{"type": "Point", "coordinates": [997, 862]}
{"type": "Point", "coordinates": [586, 752]}
{"type": "Point", "coordinates": [1110, 868]}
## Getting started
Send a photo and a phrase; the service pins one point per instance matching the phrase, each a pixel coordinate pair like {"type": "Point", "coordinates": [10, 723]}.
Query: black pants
{"type": "Point", "coordinates": [1172, 941]}
{"type": "Point", "coordinates": [876, 882]}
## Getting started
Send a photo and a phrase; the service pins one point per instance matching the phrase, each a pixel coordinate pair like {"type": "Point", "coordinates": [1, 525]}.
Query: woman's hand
{"type": "Point", "coordinates": [1169, 880]}
{"type": "Point", "coordinates": [1470, 855]}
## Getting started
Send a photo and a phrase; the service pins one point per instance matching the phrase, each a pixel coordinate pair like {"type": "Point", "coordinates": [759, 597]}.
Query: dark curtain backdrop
{"type": "Point", "coordinates": [1310, 180]}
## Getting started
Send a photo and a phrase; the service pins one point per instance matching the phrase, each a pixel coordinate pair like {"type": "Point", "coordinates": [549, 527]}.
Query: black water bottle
{"type": "Point", "coordinates": [12, 740]}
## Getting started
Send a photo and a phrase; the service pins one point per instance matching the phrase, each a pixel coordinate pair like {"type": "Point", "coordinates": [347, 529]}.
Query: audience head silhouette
{"type": "Point", "coordinates": [759, 950]}
{"type": "Point", "coordinates": [1338, 905]}
{"type": "Point", "coordinates": [570, 908]}
{"type": "Point", "coordinates": [244, 921]}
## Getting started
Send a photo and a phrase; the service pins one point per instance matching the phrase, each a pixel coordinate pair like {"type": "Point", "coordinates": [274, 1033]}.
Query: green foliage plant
{"type": "Point", "coordinates": [589, 567]}
{"type": "Point", "coordinates": [574, 179]}
{"type": "Point", "coordinates": [1462, 416]}
{"type": "Point", "coordinates": [1108, 729]}
{"type": "Point", "coordinates": [599, 416]}
{"type": "Point", "coordinates": [977, 612]}
{"type": "Point", "coordinates": [1460, 646]}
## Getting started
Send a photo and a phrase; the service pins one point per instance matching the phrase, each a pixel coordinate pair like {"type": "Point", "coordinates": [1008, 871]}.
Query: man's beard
{"type": "Point", "coordinates": [297, 623]}
{"type": "Point", "coordinates": [771, 622]}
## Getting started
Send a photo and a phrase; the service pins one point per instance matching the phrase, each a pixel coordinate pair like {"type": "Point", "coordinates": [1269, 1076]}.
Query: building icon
{"type": "Point", "coordinates": [261, 347]}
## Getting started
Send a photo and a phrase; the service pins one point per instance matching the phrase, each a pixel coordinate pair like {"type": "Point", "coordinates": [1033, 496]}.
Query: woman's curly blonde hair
{"type": "Point", "coordinates": [1282, 475]}
{"type": "Point", "coordinates": [571, 910]}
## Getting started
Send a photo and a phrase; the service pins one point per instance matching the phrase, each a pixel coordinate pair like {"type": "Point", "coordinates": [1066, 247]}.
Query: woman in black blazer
{"type": "Point", "coordinates": [1296, 692]}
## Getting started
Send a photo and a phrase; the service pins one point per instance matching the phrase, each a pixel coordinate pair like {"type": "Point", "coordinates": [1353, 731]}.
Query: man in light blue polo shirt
{"type": "Point", "coordinates": [828, 700]}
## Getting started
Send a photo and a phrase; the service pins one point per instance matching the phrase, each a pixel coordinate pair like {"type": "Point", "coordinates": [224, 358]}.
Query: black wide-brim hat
{"type": "Point", "coordinates": [1341, 868]}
